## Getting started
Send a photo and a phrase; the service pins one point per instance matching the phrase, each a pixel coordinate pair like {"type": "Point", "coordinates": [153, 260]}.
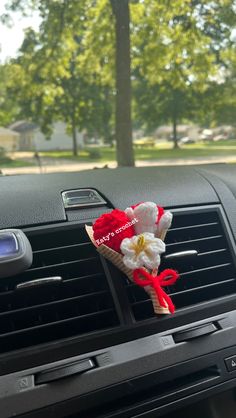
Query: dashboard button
{"type": "Point", "coordinates": [195, 332]}
{"type": "Point", "coordinates": [64, 371]}
{"type": "Point", "coordinates": [231, 363]}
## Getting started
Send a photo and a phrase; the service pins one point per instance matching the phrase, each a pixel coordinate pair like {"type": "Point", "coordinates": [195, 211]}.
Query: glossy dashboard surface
{"type": "Point", "coordinates": [36, 199]}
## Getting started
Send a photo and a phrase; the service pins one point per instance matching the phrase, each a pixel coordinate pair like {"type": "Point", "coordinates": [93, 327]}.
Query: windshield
{"type": "Point", "coordinates": [101, 83]}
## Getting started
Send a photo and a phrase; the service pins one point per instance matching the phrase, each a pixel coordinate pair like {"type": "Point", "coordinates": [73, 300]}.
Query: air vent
{"type": "Point", "coordinates": [79, 304]}
{"type": "Point", "coordinates": [209, 275]}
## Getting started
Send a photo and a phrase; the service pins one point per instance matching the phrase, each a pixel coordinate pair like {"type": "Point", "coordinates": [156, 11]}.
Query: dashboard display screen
{"type": "Point", "coordinates": [8, 245]}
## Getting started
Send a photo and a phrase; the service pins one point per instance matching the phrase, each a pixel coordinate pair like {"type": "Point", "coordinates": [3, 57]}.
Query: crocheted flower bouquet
{"type": "Point", "coordinates": [133, 240]}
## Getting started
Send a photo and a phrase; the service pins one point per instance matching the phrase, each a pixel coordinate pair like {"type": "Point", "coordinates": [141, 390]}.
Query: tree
{"type": "Point", "coordinates": [224, 108]}
{"type": "Point", "coordinates": [178, 52]}
{"type": "Point", "coordinates": [69, 66]}
{"type": "Point", "coordinates": [106, 44]}
{"type": "Point", "coordinates": [125, 155]}
{"type": "Point", "coordinates": [54, 84]}
{"type": "Point", "coordinates": [78, 67]}
{"type": "Point", "coordinates": [162, 104]}
{"type": "Point", "coordinates": [8, 106]}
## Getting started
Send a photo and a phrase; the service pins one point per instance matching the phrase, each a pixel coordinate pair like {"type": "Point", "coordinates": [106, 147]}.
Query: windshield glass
{"type": "Point", "coordinates": [101, 83]}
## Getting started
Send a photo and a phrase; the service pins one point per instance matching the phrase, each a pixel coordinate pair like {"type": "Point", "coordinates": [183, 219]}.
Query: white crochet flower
{"type": "Point", "coordinates": [148, 219]}
{"type": "Point", "coordinates": [142, 251]}
{"type": "Point", "coordinates": [146, 216]}
{"type": "Point", "coordinates": [164, 223]}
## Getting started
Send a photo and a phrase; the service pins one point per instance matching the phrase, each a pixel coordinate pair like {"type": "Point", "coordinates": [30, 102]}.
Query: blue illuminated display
{"type": "Point", "coordinates": [8, 245]}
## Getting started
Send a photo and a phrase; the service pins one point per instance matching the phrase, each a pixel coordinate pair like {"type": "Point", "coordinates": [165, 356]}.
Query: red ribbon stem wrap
{"type": "Point", "coordinates": [165, 278]}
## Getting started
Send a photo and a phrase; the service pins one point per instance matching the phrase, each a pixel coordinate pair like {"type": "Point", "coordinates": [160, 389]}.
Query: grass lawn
{"type": "Point", "coordinates": [159, 152]}
{"type": "Point", "coordinates": [10, 163]}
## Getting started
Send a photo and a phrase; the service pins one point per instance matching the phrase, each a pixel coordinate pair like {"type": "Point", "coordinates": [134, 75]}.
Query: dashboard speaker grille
{"type": "Point", "coordinates": [79, 304]}
{"type": "Point", "coordinates": [209, 275]}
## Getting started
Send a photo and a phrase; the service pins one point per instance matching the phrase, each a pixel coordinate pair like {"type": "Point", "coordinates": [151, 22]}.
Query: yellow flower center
{"type": "Point", "coordinates": [140, 245]}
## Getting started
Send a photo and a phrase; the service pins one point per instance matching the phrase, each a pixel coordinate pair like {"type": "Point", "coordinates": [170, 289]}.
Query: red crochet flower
{"type": "Point", "coordinates": [111, 228]}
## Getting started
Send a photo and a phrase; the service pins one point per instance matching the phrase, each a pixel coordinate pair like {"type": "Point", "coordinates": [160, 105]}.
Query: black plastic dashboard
{"type": "Point", "coordinates": [33, 200]}
{"type": "Point", "coordinates": [139, 368]}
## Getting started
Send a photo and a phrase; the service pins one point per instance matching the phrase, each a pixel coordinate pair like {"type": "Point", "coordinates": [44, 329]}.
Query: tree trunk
{"type": "Point", "coordinates": [123, 129]}
{"type": "Point", "coordinates": [74, 137]}
{"type": "Point", "coordinates": [175, 135]}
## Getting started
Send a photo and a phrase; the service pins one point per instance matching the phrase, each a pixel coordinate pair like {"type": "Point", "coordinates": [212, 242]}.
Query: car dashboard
{"type": "Point", "coordinates": [90, 344]}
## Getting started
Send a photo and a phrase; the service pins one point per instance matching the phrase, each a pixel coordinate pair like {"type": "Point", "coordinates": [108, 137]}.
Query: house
{"type": "Point", "coordinates": [26, 132]}
{"type": "Point", "coordinates": [8, 139]}
{"type": "Point", "coordinates": [60, 140]}
{"type": "Point", "coordinates": [32, 139]}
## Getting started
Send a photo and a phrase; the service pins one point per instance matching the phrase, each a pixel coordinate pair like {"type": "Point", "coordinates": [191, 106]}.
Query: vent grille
{"type": "Point", "coordinates": [209, 275]}
{"type": "Point", "coordinates": [80, 304]}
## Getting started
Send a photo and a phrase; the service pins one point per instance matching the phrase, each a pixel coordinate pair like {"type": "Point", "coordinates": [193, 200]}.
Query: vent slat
{"type": "Point", "coordinates": [63, 255]}
{"type": "Point", "coordinates": [194, 240]}
{"type": "Point", "coordinates": [200, 293]}
{"type": "Point", "coordinates": [192, 226]}
{"type": "Point", "coordinates": [59, 330]}
{"type": "Point", "coordinates": [66, 271]}
{"type": "Point", "coordinates": [189, 234]}
{"type": "Point", "coordinates": [220, 266]}
{"type": "Point", "coordinates": [204, 287]}
{"type": "Point", "coordinates": [221, 250]}
{"type": "Point", "coordinates": [6, 297]}
{"type": "Point", "coordinates": [65, 247]}
{"type": "Point", "coordinates": [144, 309]}
{"type": "Point", "coordinates": [66, 263]}
{"type": "Point", "coordinates": [189, 291]}
{"type": "Point", "coordinates": [204, 277]}
{"type": "Point", "coordinates": [51, 304]}
{"type": "Point", "coordinates": [81, 303]}
{"type": "Point", "coordinates": [53, 323]}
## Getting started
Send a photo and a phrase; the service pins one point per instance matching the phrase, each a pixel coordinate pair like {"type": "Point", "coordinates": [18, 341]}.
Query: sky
{"type": "Point", "coordinates": [12, 38]}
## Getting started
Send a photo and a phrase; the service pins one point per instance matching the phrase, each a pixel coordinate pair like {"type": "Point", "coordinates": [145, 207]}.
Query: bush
{"type": "Point", "coordinates": [2, 153]}
{"type": "Point", "coordinates": [3, 157]}
{"type": "Point", "coordinates": [94, 154]}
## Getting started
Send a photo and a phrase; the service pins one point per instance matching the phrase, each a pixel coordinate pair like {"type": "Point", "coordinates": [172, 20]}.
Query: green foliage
{"type": "Point", "coordinates": [2, 153]}
{"type": "Point", "coordinates": [52, 78]}
{"type": "Point", "coordinates": [4, 159]}
{"type": "Point", "coordinates": [183, 65]}
{"type": "Point", "coordinates": [94, 153]}
{"type": "Point", "coordinates": [179, 50]}
{"type": "Point", "coordinates": [9, 108]}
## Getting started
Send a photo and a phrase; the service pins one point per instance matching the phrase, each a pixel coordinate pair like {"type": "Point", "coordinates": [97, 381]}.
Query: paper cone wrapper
{"type": "Point", "coordinates": [117, 259]}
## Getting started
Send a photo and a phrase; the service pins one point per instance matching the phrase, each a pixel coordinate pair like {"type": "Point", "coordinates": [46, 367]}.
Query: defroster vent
{"type": "Point", "coordinates": [203, 277]}
{"type": "Point", "coordinates": [79, 304]}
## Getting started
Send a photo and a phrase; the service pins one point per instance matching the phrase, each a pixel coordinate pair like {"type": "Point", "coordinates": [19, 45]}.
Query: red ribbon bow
{"type": "Point", "coordinates": [165, 278]}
